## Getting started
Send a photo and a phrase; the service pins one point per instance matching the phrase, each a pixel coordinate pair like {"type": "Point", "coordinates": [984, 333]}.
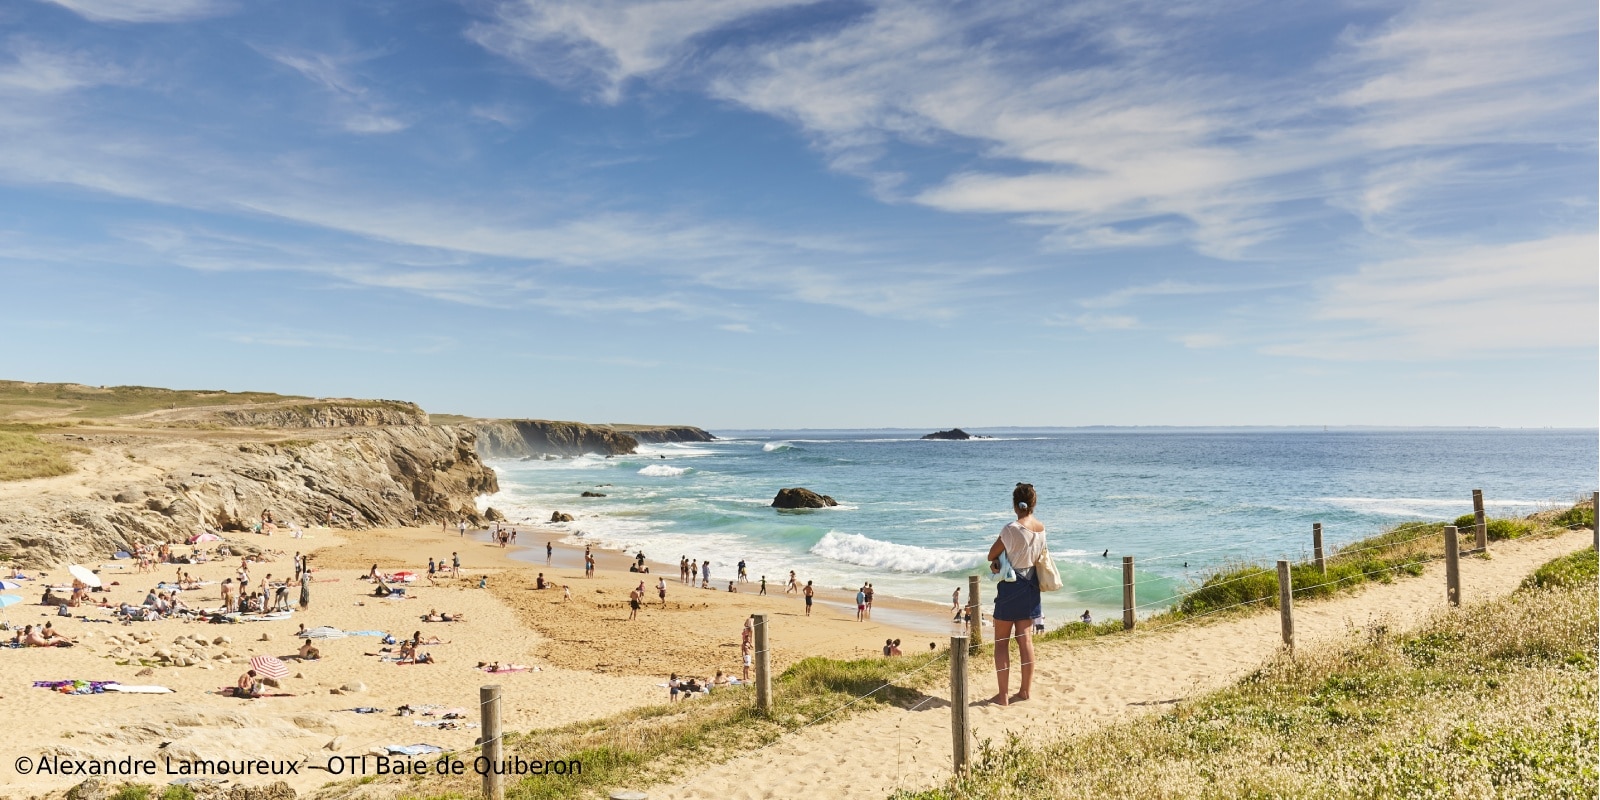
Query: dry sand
{"type": "Point", "coordinates": [1086, 683]}
{"type": "Point", "coordinates": [593, 663]}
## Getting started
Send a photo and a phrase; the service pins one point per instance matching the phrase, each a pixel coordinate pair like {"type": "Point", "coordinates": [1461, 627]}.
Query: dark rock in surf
{"type": "Point", "coordinates": [954, 434]}
{"type": "Point", "coordinates": [801, 498]}
{"type": "Point", "coordinates": [593, 494]}
{"type": "Point", "coordinates": [560, 517]}
{"type": "Point", "coordinates": [493, 515]}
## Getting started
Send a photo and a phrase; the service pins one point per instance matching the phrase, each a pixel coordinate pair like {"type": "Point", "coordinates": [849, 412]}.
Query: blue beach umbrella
{"type": "Point", "coordinates": [6, 586]}
{"type": "Point", "coordinates": [9, 600]}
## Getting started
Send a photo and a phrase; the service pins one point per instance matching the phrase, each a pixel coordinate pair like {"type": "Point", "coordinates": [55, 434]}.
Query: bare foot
{"type": "Point", "coordinates": [1018, 697]}
{"type": "Point", "coordinates": [997, 700]}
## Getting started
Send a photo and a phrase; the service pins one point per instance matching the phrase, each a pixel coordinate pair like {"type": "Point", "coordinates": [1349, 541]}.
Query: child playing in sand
{"type": "Point", "coordinates": [566, 593]}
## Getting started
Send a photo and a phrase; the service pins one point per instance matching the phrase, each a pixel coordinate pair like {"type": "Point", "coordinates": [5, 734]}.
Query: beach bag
{"type": "Point", "coordinates": [1045, 570]}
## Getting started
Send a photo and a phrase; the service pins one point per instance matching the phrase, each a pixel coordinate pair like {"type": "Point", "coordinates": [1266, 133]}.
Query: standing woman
{"type": "Point", "coordinates": [1016, 603]}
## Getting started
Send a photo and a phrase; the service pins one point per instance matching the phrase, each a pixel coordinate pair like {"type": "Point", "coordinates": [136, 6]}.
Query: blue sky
{"type": "Point", "coordinates": [760, 213]}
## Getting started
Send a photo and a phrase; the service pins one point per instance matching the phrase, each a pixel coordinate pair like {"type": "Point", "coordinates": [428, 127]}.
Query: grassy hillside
{"type": "Point", "coordinates": [1496, 700]}
{"type": "Point", "coordinates": [24, 455]}
{"type": "Point", "coordinates": [20, 400]}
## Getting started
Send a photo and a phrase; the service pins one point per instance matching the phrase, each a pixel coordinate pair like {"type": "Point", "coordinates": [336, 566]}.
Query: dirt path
{"type": "Point", "coordinates": [1089, 683]}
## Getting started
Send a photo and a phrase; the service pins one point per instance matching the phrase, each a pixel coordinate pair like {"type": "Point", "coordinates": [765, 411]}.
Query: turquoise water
{"type": "Point", "coordinates": [915, 516]}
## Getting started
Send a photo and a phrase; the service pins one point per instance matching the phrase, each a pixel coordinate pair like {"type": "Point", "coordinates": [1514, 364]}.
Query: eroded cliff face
{"type": "Point", "coordinates": [518, 438]}
{"type": "Point", "coordinates": [167, 488]}
{"type": "Point", "coordinates": [521, 438]}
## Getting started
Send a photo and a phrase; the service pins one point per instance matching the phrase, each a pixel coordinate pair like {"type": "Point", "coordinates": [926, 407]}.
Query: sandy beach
{"type": "Point", "coordinates": [585, 659]}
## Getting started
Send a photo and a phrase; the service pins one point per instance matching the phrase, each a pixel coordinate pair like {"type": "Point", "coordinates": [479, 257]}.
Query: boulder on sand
{"type": "Point", "coordinates": [801, 498]}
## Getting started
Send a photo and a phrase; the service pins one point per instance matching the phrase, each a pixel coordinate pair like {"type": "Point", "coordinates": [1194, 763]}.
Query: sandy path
{"type": "Point", "coordinates": [1087, 683]}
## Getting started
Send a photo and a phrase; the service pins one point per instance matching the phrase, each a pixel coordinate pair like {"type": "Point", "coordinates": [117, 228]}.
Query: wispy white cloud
{"type": "Point", "coordinates": [1094, 322]}
{"type": "Point", "coordinates": [358, 109]}
{"type": "Point", "coordinates": [599, 44]}
{"type": "Point", "coordinates": [1167, 288]}
{"type": "Point", "coordinates": [1460, 302]}
{"type": "Point", "coordinates": [144, 10]}
{"type": "Point", "coordinates": [34, 68]}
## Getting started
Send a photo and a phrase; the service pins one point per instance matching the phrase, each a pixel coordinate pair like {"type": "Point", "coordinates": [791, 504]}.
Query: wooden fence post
{"type": "Point", "coordinates": [1481, 543]}
{"type": "Point", "coordinates": [974, 616]}
{"type": "Point", "coordinates": [763, 666]}
{"type": "Point", "coordinates": [1452, 566]}
{"type": "Point", "coordinates": [1286, 603]}
{"type": "Point", "coordinates": [489, 720]}
{"type": "Point", "coordinates": [960, 734]}
{"type": "Point", "coordinates": [1316, 548]}
{"type": "Point", "coordinates": [1127, 593]}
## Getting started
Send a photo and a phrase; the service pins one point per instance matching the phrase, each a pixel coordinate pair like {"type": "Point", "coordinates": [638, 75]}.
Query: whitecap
{"type": "Point", "coordinates": [853, 548]}
{"type": "Point", "coordinates": [663, 471]}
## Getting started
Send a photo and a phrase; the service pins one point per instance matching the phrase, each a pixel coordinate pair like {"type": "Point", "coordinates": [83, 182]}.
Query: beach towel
{"type": "Point", "coordinates": [74, 686]}
{"type": "Point", "coordinates": [413, 749]}
{"type": "Point", "coordinates": [364, 710]}
{"type": "Point", "coordinates": [118, 687]}
{"type": "Point", "coordinates": [509, 668]}
{"type": "Point", "coordinates": [322, 632]}
{"type": "Point", "coordinates": [379, 634]}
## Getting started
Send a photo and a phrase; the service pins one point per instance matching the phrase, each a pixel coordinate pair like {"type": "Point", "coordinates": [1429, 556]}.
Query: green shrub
{"type": "Point", "coordinates": [1577, 516]}
{"type": "Point", "coordinates": [1571, 570]}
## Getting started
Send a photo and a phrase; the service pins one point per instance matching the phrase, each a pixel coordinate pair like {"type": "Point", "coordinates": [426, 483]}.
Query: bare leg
{"type": "Point", "coordinates": [1002, 659]}
{"type": "Point", "coordinates": [1024, 636]}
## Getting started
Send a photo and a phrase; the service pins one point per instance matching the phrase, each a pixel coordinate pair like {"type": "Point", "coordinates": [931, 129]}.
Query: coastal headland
{"type": "Point", "coordinates": [398, 485]}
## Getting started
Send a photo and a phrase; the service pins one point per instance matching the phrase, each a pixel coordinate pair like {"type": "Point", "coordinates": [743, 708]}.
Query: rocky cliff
{"type": "Point", "coordinates": [519, 438]}
{"type": "Point", "coordinates": [294, 414]}
{"type": "Point", "coordinates": [164, 488]}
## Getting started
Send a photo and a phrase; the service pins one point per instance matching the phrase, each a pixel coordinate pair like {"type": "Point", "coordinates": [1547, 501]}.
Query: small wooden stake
{"type": "Point", "coordinates": [974, 616]}
{"type": "Point", "coordinates": [763, 666]}
{"type": "Point", "coordinates": [1286, 603]}
{"type": "Point", "coordinates": [1452, 566]}
{"type": "Point", "coordinates": [489, 719]}
{"type": "Point", "coordinates": [1316, 547]}
{"type": "Point", "coordinates": [1482, 530]}
{"type": "Point", "coordinates": [960, 735]}
{"type": "Point", "coordinates": [1127, 593]}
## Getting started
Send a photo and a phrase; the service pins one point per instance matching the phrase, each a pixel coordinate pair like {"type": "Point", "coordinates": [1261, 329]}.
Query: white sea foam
{"type": "Point", "coordinates": [777, 447]}
{"type": "Point", "coordinates": [1421, 506]}
{"type": "Point", "coordinates": [663, 471]}
{"type": "Point", "coordinates": [853, 548]}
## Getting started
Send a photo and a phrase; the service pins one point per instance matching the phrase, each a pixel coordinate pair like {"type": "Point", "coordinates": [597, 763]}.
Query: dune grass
{"type": "Point", "coordinates": [18, 398]}
{"type": "Point", "coordinates": [1402, 550]}
{"type": "Point", "coordinates": [658, 743]}
{"type": "Point", "coordinates": [1496, 700]}
{"type": "Point", "coordinates": [25, 455]}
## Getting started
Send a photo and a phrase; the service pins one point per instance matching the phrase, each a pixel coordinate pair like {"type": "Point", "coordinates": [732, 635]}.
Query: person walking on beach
{"type": "Point", "coordinates": [763, 585]}
{"type": "Point", "coordinates": [455, 564]}
{"type": "Point", "coordinates": [868, 592]}
{"type": "Point", "coordinates": [694, 571]}
{"type": "Point", "coordinates": [633, 604]}
{"type": "Point", "coordinates": [743, 576]}
{"type": "Point", "coordinates": [794, 585]}
{"type": "Point", "coordinates": [432, 568]}
{"type": "Point", "coordinates": [661, 589]}
{"type": "Point", "coordinates": [683, 569]}
{"type": "Point", "coordinates": [705, 572]}
{"type": "Point", "coordinates": [955, 602]}
{"type": "Point", "coordinates": [1016, 603]}
{"type": "Point", "coordinates": [549, 553]}
{"type": "Point", "coordinates": [861, 604]}
{"type": "Point", "coordinates": [463, 526]}
{"type": "Point", "coordinates": [809, 593]}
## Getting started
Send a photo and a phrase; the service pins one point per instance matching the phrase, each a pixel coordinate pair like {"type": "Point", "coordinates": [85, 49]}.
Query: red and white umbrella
{"type": "Point", "coordinates": [269, 667]}
{"type": "Point", "coordinates": [405, 576]}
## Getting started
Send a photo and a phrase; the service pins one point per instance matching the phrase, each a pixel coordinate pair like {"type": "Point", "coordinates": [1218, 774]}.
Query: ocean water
{"type": "Point", "coordinates": [916, 517]}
